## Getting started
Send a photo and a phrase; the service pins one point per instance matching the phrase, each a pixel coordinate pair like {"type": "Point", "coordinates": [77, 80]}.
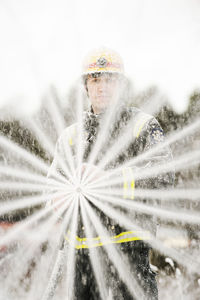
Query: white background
{"type": "Point", "coordinates": [44, 42]}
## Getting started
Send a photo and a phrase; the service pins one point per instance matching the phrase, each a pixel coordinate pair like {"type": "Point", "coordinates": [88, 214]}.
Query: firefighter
{"type": "Point", "coordinates": [103, 78]}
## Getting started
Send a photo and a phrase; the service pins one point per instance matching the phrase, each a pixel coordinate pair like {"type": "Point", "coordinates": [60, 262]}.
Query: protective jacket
{"type": "Point", "coordinates": [144, 132]}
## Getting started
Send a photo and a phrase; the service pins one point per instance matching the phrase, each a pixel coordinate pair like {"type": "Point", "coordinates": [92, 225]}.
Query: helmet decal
{"type": "Point", "coordinates": [101, 62]}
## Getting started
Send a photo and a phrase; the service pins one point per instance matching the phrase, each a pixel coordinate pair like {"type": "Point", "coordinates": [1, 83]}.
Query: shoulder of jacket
{"type": "Point", "coordinates": [68, 134]}
{"type": "Point", "coordinates": [141, 121]}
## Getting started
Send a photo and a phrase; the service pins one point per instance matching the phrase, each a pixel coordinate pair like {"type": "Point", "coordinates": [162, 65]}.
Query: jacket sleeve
{"type": "Point", "coordinates": [143, 174]}
{"type": "Point", "coordinates": [156, 161]}
{"type": "Point", "coordinates": [140, 176]}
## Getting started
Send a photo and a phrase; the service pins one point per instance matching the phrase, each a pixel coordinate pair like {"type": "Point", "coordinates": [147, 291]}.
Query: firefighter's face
{"type": "Point", "coordinates": [103, 90]}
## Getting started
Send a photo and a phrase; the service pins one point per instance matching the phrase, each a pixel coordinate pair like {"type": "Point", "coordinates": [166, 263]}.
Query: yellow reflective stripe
{"type": "Point", "coordinates": [126, 240]}
{"type": "Point", "coordinates": [140, 122]}
{"type": "Point", "coordinates": [122, 233]}
{"type": "Point", "coordinates": [125, 185]}
{"type": "Point", "coordinates": [112, 237]}
{"type": "Point", "coordinates": [132, 184]}
{"type": "Point", "coordinates": [128, 174]}
{"type": "Point", "coordinates": [71, 134]}
{"type": "Point", "coordinates": [112, 240]}
{"type": "Point", "coordinates": [87, 247]}
{"type": "Point", "coordinates": [140, 129]}
{"type": "Point", "coordinates": [86, 239]}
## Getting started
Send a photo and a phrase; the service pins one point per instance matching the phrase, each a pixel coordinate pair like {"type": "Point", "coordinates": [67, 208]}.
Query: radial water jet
{"type": "Point", "coordinates": [79, 192]}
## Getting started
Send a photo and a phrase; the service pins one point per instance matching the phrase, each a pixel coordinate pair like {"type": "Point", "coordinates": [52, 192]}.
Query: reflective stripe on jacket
{"type": "Point", "coordinates": [124, 237]}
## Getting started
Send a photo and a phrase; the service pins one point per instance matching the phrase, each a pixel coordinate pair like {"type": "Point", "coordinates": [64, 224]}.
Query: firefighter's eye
{"type": "Point", "coordinates": [94, 80]}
